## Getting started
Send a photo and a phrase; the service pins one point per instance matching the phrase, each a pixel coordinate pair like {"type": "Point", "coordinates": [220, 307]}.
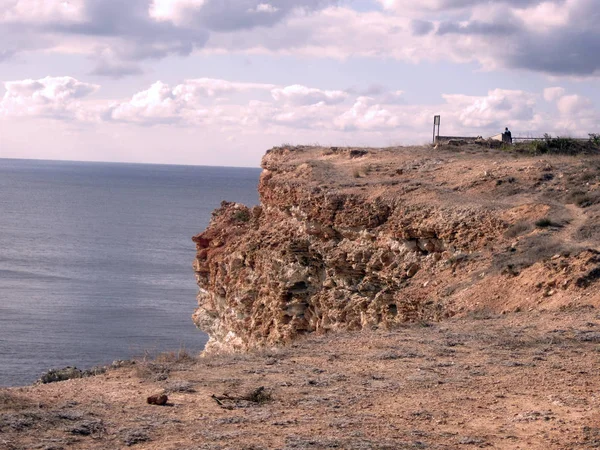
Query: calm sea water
{"type": "Point", "coordinates": [95, 259]}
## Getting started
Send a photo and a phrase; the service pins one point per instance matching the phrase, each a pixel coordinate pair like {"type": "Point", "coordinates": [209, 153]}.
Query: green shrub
{"type": "Point", "coordinates": [559, 145]}
{"type": "Point", "coordinates": [242, 215]}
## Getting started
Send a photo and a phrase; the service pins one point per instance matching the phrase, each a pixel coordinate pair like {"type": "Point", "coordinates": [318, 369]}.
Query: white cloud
{"type": "Point", "coordinates": [173, 10]}
{"type": "Point", "coordinates": [302, 95]}
{"type": "Point", "coordinates": [545, 15]}
{"type": "Point", "coordinates": [184, 102]}
{"type": "Point", "coordinates": [50, 97]}
{"type": "Point", "coordinates": [573, 104]}
{"type": "Point", "coordinates": [364, 115]}
{"type": "Point", "coordinates": [552, 94]}
{"type": "Point", "coordinates": [41, 11]}
{"type": "Point", "coordinates": [158, 104]}
{"type": "Point", "coordinates": [209, 104]}
{"type": "Point", "coordinates": [498, 107]}
{"type": "Point", "coordinates": [264, 8]}
{"type": "Point", "coordinates": [210, 87]}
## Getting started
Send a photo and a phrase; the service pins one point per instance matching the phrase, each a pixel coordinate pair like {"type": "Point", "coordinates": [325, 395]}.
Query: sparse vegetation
{"type": "Point", "coordinates": [242, 215]}
{"type": "Point", "coordinates": [12, 401]}
{"type": "Point", "coordinates": [518, 229]}
{"type": "Point", "coordinates": [546, 223]}
{"type": "Point", "coordinates": [158, 367]}
{"type": "Point", "coordinates": [559, 145]}
{"type": "Point", "coordinates": [583, 199]}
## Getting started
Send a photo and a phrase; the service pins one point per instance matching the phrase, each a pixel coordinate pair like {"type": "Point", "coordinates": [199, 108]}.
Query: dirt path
{"type": "Point", "coordinates": [579, 219]}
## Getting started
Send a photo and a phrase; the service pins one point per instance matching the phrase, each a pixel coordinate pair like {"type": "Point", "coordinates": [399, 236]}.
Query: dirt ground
{"type": "Point", "coordinates": [514, 381]}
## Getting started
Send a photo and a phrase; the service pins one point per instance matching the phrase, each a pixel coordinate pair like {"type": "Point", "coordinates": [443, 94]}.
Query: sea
{"type": "Point", "coordinates": [96, 260]}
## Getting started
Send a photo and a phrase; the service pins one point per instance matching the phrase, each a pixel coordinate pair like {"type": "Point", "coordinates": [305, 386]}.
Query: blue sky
{"type": "Point", "coordinates": [218, 82]}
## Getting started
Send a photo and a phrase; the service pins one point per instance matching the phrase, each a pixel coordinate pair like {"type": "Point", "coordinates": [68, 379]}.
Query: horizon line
{"type": "Point", "coordinates": [124, 162]}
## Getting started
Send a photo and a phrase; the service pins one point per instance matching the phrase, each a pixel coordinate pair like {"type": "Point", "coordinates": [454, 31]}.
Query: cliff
{"type": "Point", "coordinates": [348, 239]}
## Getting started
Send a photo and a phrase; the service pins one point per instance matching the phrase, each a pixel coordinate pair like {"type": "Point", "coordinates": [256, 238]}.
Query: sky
{"type": "Point", "coordinates": [219, 82]}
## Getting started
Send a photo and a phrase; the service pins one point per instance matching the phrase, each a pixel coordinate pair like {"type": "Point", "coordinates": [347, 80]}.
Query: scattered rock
{"type": "Point", "coordinates": [158, 399]}
{"type": "Point", "coordinates": [412, 270]}
{"type": "Point", "coordinates": [180, 386]}
{"type": "Point", "coordinates": [532, 416]}
{"type": "Point", "coordinates": [64, 374]}
{"type": "Point", "coordinates": [88, 428]}
{"type": "Point", "coordinates": [133, 437]}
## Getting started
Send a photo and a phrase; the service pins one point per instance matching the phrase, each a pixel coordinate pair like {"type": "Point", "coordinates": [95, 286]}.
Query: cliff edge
{"type": "Point", "coordinates": [348, 239]}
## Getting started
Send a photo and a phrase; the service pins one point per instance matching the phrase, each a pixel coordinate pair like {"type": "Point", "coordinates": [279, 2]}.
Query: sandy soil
{"type": "Point", "coordinates": [513, 381]}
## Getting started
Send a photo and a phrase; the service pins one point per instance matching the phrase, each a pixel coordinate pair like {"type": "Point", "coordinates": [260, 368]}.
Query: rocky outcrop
{"type": "Point", "coordinates": [347, 239]}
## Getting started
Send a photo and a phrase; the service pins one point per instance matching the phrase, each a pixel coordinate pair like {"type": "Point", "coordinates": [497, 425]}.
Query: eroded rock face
{"type": "Point", "coordinates": [347, 240]}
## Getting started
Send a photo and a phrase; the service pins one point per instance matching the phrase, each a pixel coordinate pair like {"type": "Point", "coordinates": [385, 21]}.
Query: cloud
{"type": "Point", "coordinates": [552, 94]}
{"type": "Point", "coordinates": [162, 104]}
{"type": "Point", "coordinates": [364, 115]}
{"type": "Point", "coordinates": [173, 10]}
{"type": "Point", "coordinates": [505, 34]}
{"type": "Point", "coordinates": [6, 54]}
{"type": "Point", "coordinates": [158, 104]}
{"type": "Point", "coordinates": [210, 87]}
{"type": "Point", "coordinates": [116, 69]}
{"type": "Point", "coordinates": [302, 95]}
{"type": "Point", "coordinates": [40, 11]}
{"type": "Point", "coordinates": [117, 34]}
{"type": "Point", "coordinates": [556, 37]}
{"type": "Point", "coordinates": [240, 108]}
{"type": "Point", "coordinates": [568, 104]}
{"type": "Point", "coordinates": [421, 27]}
{"type": "Point", "coordinates": [264, 7]}
{"type": "Point", "coordinates": [573, 104]}
{"type": "Point", "coordinates": [497, 108]}
{"type": "Point", "coordinates": [49, 97]}
{"type": "Point", "coordinates": [447, 5]}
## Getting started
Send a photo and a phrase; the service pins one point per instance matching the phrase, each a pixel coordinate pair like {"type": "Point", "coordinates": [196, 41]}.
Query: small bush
{"type": "Point", "coordinates": [517, 229]}
{"type": "Point", "coordinates": [174, 357]}
{"type": "Point", "coordinates": [242, 215]}
{"type": "Point", "coordinates": [159, 367]}
{"type": "Point", "coordinates": [259, 395]}
{"type": "Point", "coordinates": [583, 199]}
{"type": "Point", "coordinates": [546, 223]}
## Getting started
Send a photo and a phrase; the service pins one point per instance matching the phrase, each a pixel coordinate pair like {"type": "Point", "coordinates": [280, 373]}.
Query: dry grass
{"type": "Point", "coordinates": [14, 402]}
{"type": "Point", "coordinates": [157, 367]}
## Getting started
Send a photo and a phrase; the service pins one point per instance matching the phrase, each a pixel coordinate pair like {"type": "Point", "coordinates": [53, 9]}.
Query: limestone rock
{"type": "Point", "coordinates": [325, 251]}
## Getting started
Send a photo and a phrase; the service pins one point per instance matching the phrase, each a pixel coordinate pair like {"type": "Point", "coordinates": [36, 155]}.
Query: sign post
{"type": "Point", "coordinates": [436, 123]}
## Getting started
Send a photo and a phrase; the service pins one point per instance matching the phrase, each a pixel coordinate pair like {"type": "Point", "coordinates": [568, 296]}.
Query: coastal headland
{"type": "Point", "coordinates": [399, 298]}
{"type": "Point", "coordinates": [351, 239]}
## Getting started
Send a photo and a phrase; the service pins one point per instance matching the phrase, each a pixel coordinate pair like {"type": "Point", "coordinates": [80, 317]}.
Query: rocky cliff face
{"type": "Point", "coordinates": [355, 238]}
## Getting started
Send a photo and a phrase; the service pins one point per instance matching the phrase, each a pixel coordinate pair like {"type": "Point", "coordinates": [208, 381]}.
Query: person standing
{"type": "Point", "coordinates": [507, 136]}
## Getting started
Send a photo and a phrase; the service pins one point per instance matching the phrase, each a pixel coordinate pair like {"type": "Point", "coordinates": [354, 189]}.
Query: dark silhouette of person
{"type": "Point", "coordinates": [508, 135]}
